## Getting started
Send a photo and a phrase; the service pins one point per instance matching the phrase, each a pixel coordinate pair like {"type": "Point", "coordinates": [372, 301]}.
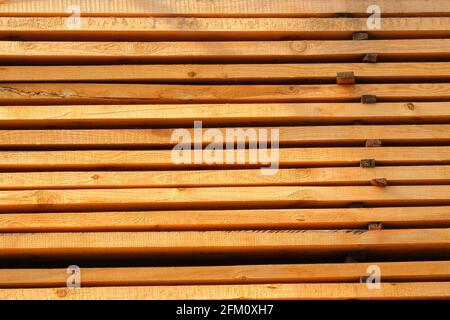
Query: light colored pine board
{"type": "Point", "coordinates": [220, 114]}
{"type": "Point", "coordinates": [220, 51]}
{"type": "Point", "coordinates": [222, 7]}
{"type": "Point", "coordinates": [394, 71]}
{"type": "Point", "coordinates": [169, 244]}
{"type": "Point", "coordinates": [219, 197]}
{"type": "Point", "coordinates": [239, 274]}
{"type": "Point", "coordinates": [227, 72]}
{"type": "Point", "coordinates": [341, 291]}
{"type": "Point", "coordinates": [182, 28]}
{"type": "Point", "coordinates": [263, 219]}
{"type": "Point", "coordinates": [293, 136]}
{"type": "Point", "coordinates": [305, 157]}
{"type": "Point", "coordinates": [418, 175]}
{"type": "Point", "coordinates": [79, 93]}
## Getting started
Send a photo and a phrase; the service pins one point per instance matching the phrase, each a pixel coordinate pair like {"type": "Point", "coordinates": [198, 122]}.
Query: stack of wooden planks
{"type": "Point", "coordinates": [92, 92]}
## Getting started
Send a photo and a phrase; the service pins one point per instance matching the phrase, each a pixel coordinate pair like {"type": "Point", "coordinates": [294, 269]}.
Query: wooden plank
{"type": "Point", "coordinates": [182, 28]}
{"type": "Point", "coordinates": [220, 114]}
{"type": "Point", "coordinates": [424, 290]}
{"type": "Point", "coordinates": [80, 93]}
{"type": "Point", "coordinates": [263, 219]}
{"type": "Point", "coordinates": [215, 178]}
{"type": "Point", "coordinates": [292, 136]}
{"type": "Point", "coordinates": [305, 157]}
{"type": "Point", "coordinates": [218, 197]}
{"type": "Point", "coordinates": [173, 73]}
{"type": "Point", "coordinates": [220, 51]}
{"type": "Point", "coordinates": [167, 244]}
{"type": "Point", "coordinates": [239, 274]}
{"type": "Point", "coordinates": [222, 7]}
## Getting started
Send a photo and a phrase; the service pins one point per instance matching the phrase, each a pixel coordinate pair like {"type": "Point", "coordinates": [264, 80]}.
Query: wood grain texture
{"type": "Point", "coordinates": [220, 51]}
{"type": "Point", "coordinates": [80, 93]}
{"type": "Point", "coordinates": [220, 114]}
{"type": "Point", "coordinates": [239, 274]}
{"type": "Point", "coordinates": [304, 157]}
{"type": "Point", "coordinates": [407, 175]}
{"type": "Point", "coordinates": [182, 28]}
{"type": "Point", "coordinates": [262, 219]}
{"type": "Point", "coordinates": [195, 244]}
{"type": "Point", "coordinates": [216, 73]}
{"type": "Point", "coordinates": [222, 7]}
{"type": "Point", "coordinates": [425, 290]}
{"type": "Point", "coordinates": [88, 177]}
{"type": "Point", "coordinates": [292, 136]}
{"type": "Point", "coordinates": [218, 197]}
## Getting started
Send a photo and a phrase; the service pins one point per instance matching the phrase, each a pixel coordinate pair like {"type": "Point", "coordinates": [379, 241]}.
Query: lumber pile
{"type": "Point", "coordinates": [356, 207]}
